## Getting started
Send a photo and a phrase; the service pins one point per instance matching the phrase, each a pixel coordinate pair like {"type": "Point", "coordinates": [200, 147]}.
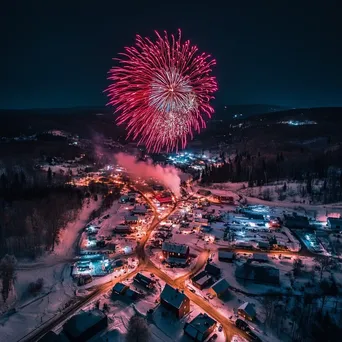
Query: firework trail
{"type": "Point", "coordinates": [162, 91]}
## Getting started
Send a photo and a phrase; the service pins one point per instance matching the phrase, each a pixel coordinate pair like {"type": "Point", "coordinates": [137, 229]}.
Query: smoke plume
{"type": "Point", "coordinates": [165, 175]}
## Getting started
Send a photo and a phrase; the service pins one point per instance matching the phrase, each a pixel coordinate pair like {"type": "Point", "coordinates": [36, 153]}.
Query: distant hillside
{"type": "Point", "coordinates": [244, 111]}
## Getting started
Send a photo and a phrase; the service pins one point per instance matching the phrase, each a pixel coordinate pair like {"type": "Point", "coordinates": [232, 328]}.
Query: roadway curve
{"type": "Point", "coordinates": [144, 265]}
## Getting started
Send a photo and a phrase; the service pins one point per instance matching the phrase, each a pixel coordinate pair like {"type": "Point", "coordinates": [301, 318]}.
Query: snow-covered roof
{"type": "Point", "coordinates": [220, 286]}
{"type": "Point", "coordinates": [199, 326]}
{"type": "Point", "coordinates": [260, 257]}
{"type": "Point", "coordinates": [213, 269]}
{"type": "Point", "coordinates": [173, 296]}
{"type": "Point", "coordinates": [248, 308]}
{"type": "Point", "coordinates": [83, 321]}
{"type": "Point", "coordinates": [175, 248]}
{"type": "Point", "coordinates": [225, 255]}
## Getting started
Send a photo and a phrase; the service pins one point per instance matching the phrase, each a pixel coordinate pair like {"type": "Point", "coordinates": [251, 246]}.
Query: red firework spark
{"type": "Point", "coordinates": [162, 91]}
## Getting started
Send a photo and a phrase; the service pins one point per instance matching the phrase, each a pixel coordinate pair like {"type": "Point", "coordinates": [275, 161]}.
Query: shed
{"type": "Point", "coordinates": [219, 288]}
{"type": "Point", "coordinates": [247, 311]}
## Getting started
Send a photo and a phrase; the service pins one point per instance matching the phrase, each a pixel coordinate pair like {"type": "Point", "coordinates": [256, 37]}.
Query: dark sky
{"type": "Point", "coordinates": [57, 53]}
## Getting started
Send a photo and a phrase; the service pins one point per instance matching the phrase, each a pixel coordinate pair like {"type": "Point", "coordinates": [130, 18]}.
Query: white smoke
{"type": "Point", "coordinates": [168, 176]}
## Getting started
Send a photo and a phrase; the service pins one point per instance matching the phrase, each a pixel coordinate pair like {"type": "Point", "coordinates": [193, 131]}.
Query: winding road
{"type": "Point", "coordinates": [144, 265]}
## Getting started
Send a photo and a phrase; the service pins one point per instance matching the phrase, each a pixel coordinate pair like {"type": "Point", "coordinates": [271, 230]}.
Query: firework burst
{"type": "Point", "coordinates": [162, 91]}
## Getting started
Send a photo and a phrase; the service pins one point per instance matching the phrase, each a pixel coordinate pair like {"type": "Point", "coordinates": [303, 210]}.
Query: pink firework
{"type": "Point", "coordinates": [162, 91]}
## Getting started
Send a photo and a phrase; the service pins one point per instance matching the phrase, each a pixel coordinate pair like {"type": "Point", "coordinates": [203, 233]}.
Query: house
{"type": "Point", "coordinates": [202, 280]}
{"type": "Point", "coordinates": [163, 199]}
{"type": "Point", "coordinates": [131, 219]}
{"type": "Point", "coordinates": [259, 257]}
{"type": "Point", "coordinates": [200, 327]}
{"type": "Point", "coordinates": [131, 294]}
{"type": "Point", "coordinates": [296, 221]}
{"type": "Point", "coordinates": [119, 288]}
{"type": "Point", "coordinates": [226, 256]}
{"type": "Point", "coordinates": [264, 245]}
{"type": "Point", "coordinates": [123, 229]}
{"type": "Point", "coordinates": [175, 301]}
{"type": "Point", "coordinates": [144, 281]}
{"type": "Point", "coordinates": [334, 223]}
{"type": "Point", "coordinates": [139, 210]}
{"type": "Point", "coordinates": [219, 288]}
{"type": "Point", "coordinates": [247, 311]}
{"type": "Point", "coordinates": [256, 273]}
{"type": "Point", "coordinates": [85, 325]}
{"type": "Point", "coordinates": [213, 270]}
{"type": "Point", "coordinates": [173, 251]}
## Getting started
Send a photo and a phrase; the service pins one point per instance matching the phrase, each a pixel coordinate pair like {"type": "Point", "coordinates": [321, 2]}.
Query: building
{"type": "Point", "coordinates": [123, 229]}
{"type": "Point", "coordinates": [131, 219]}
{"type": "Point", "coordinates": [174, 252]}
{"type": "Point", "coordinates": [213, 270]}
{"type": "Point", "coordinates": [296, 221]}
{"type": "Point", "coordinates": [204, 192]}
{"type": "Point", "coordinates": [175, 301]}
{"type": "Point", "coordinates": [220, 288]}
{"type": "Point", "coordinates": [119, 288]}
{"type": "Point", "coordinates": [85, 325]}
{"type": "Point", "coordinates": [139, 210]}
{"type": "Point", "coordinates": [259, 257]}
{"type": "Point", "coordinates": [144, 281]}
{"type": "Point", "coordinates": [334, 223]}
{"type": "Point", "coordinates": [224, 199]}
{"type": "Point", "coordinates": [202, 280]}
{"type": "Point", "coordinates": [247, 311]}
{"type": "Point", "coordinates": [264, 245]}
{"type": "Point", "coordinates": [258, 273]}
{"type": "Point", "coordinates": [226, 256]}
{"type": "Point", "coordinates": [200, 327]}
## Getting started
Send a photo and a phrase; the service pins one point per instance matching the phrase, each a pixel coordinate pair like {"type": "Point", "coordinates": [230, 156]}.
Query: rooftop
{"type": "Point", "coordinates": [175, 248]}
{"type": "Point", "coordinates": [173, 296]}
{"type": "Point", "coordinates": [228, 255]}
{"type": "Point", "coordinates": [248, 308]}
{"type": "Point", "coordinates": [199, 325]}
{"type": "Point", "coordinates": [220, 286]}
{"type": "Point", "coordinates": [81, 322]}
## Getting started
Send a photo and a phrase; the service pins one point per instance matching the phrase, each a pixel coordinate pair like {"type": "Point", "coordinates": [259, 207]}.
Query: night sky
{"type": "Point", "coordinates": [56, 54]}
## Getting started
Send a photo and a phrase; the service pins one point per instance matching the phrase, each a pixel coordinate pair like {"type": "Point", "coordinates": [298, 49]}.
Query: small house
{"type": "Point", "coordinates": [220, 288]}
{"type": "Point", "coordinates": [247, 311]}
{"type": "Point", "coordinates": [119, 288]}
{"type": "Point", "coordinates": [213, 270]}
{"type": "Point", "coordinates": [259, 257]}
{"type": "Point", "coordinates": [175, 250]}
{"type": "Point", "coordinates": [334, 223]}
{"type": "Point", "coordinates": [226, 256]}
{"type": "Point", "coordinates": [139, 210]}
{"type": "Point", "coordinates": [83, 326]}
{"type": "Point", "coordinates": [123, 229]}
{"type": "Point", "coordinates": [144, 281]}
{"type": "Point", "coordinates": [131, 219]}
{"type": "Point", "coordinates": [200, 328]}
{"type": "Point", "coordinates": [175, 301]}
{"type": "Point", "coordinates": [202, 280]}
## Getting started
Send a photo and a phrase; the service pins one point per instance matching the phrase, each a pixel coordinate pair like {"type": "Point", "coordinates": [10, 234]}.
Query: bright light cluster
{"type": "Point", "coordinates": [162, 91]}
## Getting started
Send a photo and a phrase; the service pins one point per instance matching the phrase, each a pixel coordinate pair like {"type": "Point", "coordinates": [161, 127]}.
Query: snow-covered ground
{"type": "Point", "coordinates": [58, 289]}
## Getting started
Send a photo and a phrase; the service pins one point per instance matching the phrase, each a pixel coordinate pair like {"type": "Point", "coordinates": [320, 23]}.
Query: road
{"type": "Point", "coordinates": [144, 265]}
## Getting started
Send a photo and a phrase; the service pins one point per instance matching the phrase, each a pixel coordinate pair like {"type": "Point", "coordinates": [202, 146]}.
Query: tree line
{"type": "Point", "coordinates": [259, 170]}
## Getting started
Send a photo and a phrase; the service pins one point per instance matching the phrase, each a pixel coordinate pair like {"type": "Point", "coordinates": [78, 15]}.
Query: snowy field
{"type": "Point", "coordinates": [58, 290]}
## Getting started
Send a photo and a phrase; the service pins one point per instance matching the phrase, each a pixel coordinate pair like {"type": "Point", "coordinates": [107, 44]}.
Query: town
{"type": "Point", "coordinates": [207, 264]}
